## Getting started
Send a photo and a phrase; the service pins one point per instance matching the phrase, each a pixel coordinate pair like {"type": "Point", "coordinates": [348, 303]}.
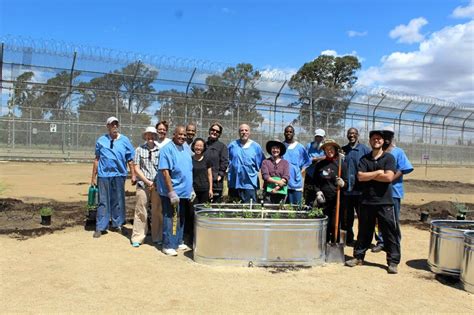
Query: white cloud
{"type": "Point", "coordinates": [409, 33]}
{"type": "Point", "coordinates": [442, 66]}
{"type": "Point", "coordinates": [273, 78]}
{"type": "Point", "coordinates": [464, 12]}
{"type": "Point", "coordinates": [352, 33]}
{"type": "Point", "coordinates": [329, 52]}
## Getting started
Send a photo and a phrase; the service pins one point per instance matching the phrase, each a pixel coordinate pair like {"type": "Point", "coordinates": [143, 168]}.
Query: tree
{"type": "Point", "coordinates": [323, 85]}
{"type": "Point", "coordinates": [231, 95]}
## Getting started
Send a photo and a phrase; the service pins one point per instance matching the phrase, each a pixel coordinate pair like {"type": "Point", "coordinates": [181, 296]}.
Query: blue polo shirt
{"type": "Point", "coordinates": [244, 164]}
{"type": "Point", "coordinates": [313, 151]}
{"type": "Point", "coordinates": [403, 165]}
{"type": "Point", "coordinates": [177, 160]}
{"type": "Point", "coordinates": [113, 161]}
{"type": "Point", "coordinates": [298, 158]}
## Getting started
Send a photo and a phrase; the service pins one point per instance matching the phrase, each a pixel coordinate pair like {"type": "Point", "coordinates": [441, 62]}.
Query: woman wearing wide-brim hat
{"type": "Point", "coordinates": [327, 181]}
{"type": "Point", "coordinates": [275, 172]}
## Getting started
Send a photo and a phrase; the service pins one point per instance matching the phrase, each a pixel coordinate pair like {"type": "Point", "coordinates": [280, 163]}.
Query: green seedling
{"type": "Point", "coordinates": [46, 211]}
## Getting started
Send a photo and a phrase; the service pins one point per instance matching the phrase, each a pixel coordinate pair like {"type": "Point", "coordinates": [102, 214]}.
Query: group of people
{"type": "Point", "coordinates": [172, 173]}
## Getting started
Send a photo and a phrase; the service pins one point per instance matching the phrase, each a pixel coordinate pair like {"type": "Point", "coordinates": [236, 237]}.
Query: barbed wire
{"type": "Point", "coordinates": [270, 80]}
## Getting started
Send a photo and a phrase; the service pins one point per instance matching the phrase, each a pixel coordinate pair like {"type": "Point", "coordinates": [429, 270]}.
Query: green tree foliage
{"type": "Point", "coordinates": [230, 95]}
{"type": "Point", "coordinates": [322, 85]}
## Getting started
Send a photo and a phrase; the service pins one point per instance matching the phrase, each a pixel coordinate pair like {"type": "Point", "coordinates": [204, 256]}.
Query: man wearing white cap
{"type": "Point", "coordinates": [113, 151]}
{"type": "Point", "coordinates": [146, 156]}
{"type": "Point", "coordinates": [316, 154]}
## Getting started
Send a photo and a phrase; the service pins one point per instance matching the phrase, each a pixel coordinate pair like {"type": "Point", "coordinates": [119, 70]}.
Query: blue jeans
{"type": "Point", "coordinates": [111, 202]}
{"type": "Point", "coordinates": [170, 240]}
{"type": "Point", "coordinates": [243, 194]}
{"type": "Point", "coordinates": [294, 197]}
{"type": "Point", "coordinates": [396, 208]}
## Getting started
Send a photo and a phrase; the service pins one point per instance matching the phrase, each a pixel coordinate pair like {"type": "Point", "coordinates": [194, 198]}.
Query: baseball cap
{"type": "Point", "coordinates": [111, 120]}
{"type": "Point", "coordinates": [319, 132]}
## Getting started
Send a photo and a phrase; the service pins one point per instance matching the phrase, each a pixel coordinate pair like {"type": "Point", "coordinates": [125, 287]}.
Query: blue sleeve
{"type": "Point", "coordinates": [130, 155]}
{"type": "Point", "coordinates": [403, 164]}
{"type": "Point", "coordinates": [260, 156]}
{"type": "Point", "coordinates": [97, 148]}
{"type": "Point", "coordinates": [166, 160]}
{"type": "Point", "coordinates": [305, 161]}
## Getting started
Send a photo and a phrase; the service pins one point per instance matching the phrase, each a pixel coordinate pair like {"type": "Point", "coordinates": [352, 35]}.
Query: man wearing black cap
{"type": "Point", "coordinates": [376, 171]}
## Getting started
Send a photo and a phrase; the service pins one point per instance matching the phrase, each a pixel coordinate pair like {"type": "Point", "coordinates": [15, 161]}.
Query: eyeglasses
{"type": "Point", "coordinates": [149, 155]}
{"type": "Point", "coordinates": [215, 130]}
{"type": "Point", "coordinates": [112, 143]}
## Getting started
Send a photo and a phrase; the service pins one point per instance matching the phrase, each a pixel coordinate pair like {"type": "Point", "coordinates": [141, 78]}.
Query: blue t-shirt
{"type": "Point", "coordinates": [113, 161]}
{"type": "Point", "coordinates": [177, 160]}
{"type": "Point", "coordinates": [313, 151]}
{"type": "Point", "coordinates": [244, 164]}
{"type": "Point", "coordinates": [403, 165]}
{"type": "Point", "coordinates": [298, 158]}
{"type": "Point", "coordinates": [352, 159]}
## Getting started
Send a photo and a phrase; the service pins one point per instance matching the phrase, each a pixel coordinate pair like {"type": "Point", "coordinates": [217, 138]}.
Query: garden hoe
{"type": "Point", "coordinates": [175, 219]}
{"type": "Point", "coordinates": [335, 249]}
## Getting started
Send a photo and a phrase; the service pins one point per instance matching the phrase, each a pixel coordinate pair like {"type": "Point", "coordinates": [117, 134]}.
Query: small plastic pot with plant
{"type": "Point", "coordinates": [46, 213]}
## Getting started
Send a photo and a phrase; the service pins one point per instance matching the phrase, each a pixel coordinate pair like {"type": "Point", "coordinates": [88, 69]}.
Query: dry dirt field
{"type": "Point", "coordinates": [70, 272]}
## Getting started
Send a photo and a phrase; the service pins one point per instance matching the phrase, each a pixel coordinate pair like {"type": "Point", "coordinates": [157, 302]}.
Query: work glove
{"type": "Point", "coordinates": [193, 196]}
{"type": "Point", "coordinates": [174, 199]}
{"type": "Point", "coordinates": [340, 182]}
{"type": "Point", "coordinates": [320, 197]}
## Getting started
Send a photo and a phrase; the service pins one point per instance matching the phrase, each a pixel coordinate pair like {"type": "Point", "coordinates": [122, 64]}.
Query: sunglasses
{"type": "Point", "coordinates": [112, 143]}
{"type": "Point", "coordinates": [149, 155]}
{"type": "Point", "coordinates": [215, 130]}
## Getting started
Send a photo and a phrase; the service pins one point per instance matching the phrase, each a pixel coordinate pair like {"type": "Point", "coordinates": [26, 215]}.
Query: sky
{"type": "Point", "coordinates": [425, 47]}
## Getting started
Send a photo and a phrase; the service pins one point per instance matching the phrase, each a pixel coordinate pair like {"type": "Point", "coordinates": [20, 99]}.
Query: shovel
{"type": "Point", "coordinates": [335, 251]}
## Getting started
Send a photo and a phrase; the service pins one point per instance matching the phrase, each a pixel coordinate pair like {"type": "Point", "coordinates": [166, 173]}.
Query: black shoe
{"type": "Point", "coordinates": [392, 268]}
{"type": "Point", "coordinates": [97, 234]}
{"type": "Point", "coordinates": [354, 262]}
{"type": "Point", "coordinates": [350, 243]}
{"type": "Point", "coordinates": [377, 248]}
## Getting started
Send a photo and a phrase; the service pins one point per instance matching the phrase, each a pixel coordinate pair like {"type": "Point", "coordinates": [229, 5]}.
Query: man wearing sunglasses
{"type": "Point", "coordinates": [113, 151]}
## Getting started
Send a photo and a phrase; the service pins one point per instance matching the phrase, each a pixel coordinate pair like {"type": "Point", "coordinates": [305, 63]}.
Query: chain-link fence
{"type": "Point", "coordinates": [55, 99]}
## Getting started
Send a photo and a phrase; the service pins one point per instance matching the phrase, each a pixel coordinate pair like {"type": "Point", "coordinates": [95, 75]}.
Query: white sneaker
{"type": "Point", "coordinates": [183, 247]}
{"type": "Point", "coordinates": [170, 252]}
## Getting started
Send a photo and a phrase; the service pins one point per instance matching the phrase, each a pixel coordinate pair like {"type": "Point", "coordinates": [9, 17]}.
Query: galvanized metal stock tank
{"type": "Point", "coordinates": [467, 267]}
{"type": "Point", "coordinates": [447, 246]}
{"type": "Point", "coordinates": [224, 237]}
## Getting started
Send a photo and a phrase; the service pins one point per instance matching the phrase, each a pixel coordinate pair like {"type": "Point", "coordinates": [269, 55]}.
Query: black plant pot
{"type": "Point", "coordinates": [46, 220]}
{"type": "Point", "coordinates": [424, 216]}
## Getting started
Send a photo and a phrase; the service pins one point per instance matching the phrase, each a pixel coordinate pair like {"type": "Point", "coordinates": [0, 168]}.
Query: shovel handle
{"type": "Point", "coordinates": [338, 201]}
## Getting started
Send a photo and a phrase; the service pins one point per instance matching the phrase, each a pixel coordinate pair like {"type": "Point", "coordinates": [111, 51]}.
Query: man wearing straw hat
{"type": "Point", "coordinates": [376, 172]}
{"type": "Point", "coordinates": [113, 151]}
{"type": "Point", "coordinates": [145, 160]}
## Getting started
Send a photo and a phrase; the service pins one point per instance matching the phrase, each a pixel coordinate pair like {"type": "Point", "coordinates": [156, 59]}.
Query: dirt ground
{"type": "Point", "coordinates": [69, 271]}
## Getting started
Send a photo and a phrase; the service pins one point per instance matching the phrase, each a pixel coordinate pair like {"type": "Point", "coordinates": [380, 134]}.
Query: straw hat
{"type": "Point", "coordinates": [330, 142]}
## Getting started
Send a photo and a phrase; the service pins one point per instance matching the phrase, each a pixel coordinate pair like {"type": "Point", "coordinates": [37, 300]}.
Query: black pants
{"type": "Point", "coordinates": [309, 192]}
{"type": "Point", "coordinates": [274, 198]}
{"type": "Point", "coordinates": [217, 198]}
{"type": "Point", "coordinates": [329, 209]}
{"type": "Point", "coordinates": [385, 215]}
{"type": "Point", "coordinates": [201, 197]}
{"type": "Point", "coordinates": [350, 204]}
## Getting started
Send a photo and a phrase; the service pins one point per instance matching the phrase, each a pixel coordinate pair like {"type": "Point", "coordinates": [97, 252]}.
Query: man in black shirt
{"type": "Point", "coordinates": [375, 172]}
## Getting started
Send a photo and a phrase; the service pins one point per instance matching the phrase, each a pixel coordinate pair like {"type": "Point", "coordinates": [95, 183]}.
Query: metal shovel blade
{"type": "Point", "coordinates": [335, 253]}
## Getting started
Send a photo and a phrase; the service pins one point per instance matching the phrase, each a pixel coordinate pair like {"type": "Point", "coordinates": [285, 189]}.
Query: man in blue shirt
{"type": "Point", "coordinates": [404, 167]}
{"type": "Point", "coordinates": [245, 159]}
{"type": "Point", "coordinates": [175, 184]}
{"type": "Point", "coordinates": [298, 158]}
{"type": "Point", "coordinates": [353, 152]}
{"type": "Point", "coordinates": [113, 151]}
{"type": "Point", "coordinates": [316, 154]}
